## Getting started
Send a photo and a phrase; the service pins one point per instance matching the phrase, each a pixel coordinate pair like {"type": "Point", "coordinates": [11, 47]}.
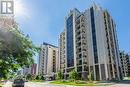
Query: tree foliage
{"type": "Point", "coordinates": [59, 75]}
{"type": "Point", "coordinates": [73, 75]}
{"type": "Point", "coordinates": [39, 77]}
{"type": "Point", "coordinates": [42, 77]}
{"type": "Point", "coordinates": [29, 77]}
{"type": "Point", "coordinates": [16, 50]}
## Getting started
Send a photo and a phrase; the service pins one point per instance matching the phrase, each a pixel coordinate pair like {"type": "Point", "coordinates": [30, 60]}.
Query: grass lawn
{"type": "Point", "coordinates": [77, 83]}
{"type": "Point", "coordinates": [128, 78]}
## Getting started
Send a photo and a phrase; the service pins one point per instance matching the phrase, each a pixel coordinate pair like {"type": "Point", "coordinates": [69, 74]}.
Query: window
{"type": "Point", "coordinates": [94, 36]}
{"type": "Point", "coordinates": [70, 51]}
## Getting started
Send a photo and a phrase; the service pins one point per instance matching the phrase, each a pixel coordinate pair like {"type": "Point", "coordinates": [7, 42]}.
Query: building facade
{"type": "Point", "coordinates": [26, 71]}
{"type": "Point", "coordinates": [62, 50]}
{"type": "Point", "coordinates": [33, 69]}
{"type": "Point", "coordinates": [125, 63]}
{"type": "Point", "coordinates": [89, 45]}
{"type": "Point", "coordinates": [48, 60]}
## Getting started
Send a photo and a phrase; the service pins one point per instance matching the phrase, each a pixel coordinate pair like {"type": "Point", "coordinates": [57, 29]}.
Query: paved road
{"type": "Point", "coordinates": [46, 84]}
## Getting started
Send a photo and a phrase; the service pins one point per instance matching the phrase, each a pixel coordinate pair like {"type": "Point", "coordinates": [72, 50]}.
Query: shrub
{"type": "Point", "coordinates": [59, 75]}
{"type": "Point", "coordinates": [73, 75]}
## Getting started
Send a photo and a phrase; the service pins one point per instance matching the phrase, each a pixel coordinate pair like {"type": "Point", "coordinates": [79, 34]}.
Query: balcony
{"type": "Point", "coordinates": [80, 56]}
{"type": "Point", "coordinates": [79, 69]}
{"type": "Point", "coordinates": [77, 26]}
{"type": "Point", "coordinates": [78, 50]}
{"type": "Point", "coordinates": [78, 44]}
{"type": "Point", "coordinates": [77, 21]}
{"type": "Point", "coordinates": [82, 25]}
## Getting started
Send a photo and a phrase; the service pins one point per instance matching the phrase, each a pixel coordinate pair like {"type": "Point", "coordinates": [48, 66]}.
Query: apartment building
{"type": "Point", "coordinates": [89, 44]}
{"type": "Point", "coordinates": [48, 60]}
{"type": "Point", "coordinates": [33, 69]}
{"type": "Point", "coordinates": [62, 52]}
{"type": "Point", "coordinates": [125, 63]}
{"type": "Point", "coordinates": [26, 70]}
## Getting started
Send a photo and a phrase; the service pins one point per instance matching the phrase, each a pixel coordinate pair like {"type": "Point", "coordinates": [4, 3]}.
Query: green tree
{"type": "Point", "coordinates": [73, 75]}
{"type": "Point", "coordinates": [16, 50]}
{"type": "Point", "coordinates": [29, 77]}
{"type": "Point", "coordinates": [33, 77]}
{"type": "Point", "coordinates": [38, 77]}
{"type": "Point", "coordinates": [90, 76]}
{"type": "Point", "coordinates": [42, 77]}
{"type": "Point", "coordinates": [59, 75]}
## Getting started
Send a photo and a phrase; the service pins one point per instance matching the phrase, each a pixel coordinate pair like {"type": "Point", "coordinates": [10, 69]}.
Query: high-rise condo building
{"type": "Point", "coordinates": [48, 60]}
{"type": "Point", "coordinates": [62, 50]}
{"type": "Point", "coordinates": [33, 70]}
{"type": "Point", "coordinates": [125, 63]}
{"type": "Point", "coordinates": [89, 44]}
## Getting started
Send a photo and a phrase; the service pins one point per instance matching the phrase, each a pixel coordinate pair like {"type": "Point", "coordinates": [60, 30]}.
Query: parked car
{"type": "Point", "coordinates": [18, 83]}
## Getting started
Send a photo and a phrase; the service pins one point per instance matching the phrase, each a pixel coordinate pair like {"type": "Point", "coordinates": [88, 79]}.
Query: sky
{"type": "Point", "coordinates": [43, 20]}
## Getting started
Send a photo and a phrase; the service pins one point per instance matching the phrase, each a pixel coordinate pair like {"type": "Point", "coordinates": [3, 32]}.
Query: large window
{"type": "Point", "coordinates": [70, 50]}
{"type": "Point", "coordinates": [94, 36]}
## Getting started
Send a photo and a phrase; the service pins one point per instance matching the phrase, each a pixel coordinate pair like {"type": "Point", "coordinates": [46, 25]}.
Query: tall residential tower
{"type": "Point", "coordinates": [89, 44]}
{"type": "Point", "coordinates": [48, 60]}
{"type": "Point", "coordinates": [125, 63]}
